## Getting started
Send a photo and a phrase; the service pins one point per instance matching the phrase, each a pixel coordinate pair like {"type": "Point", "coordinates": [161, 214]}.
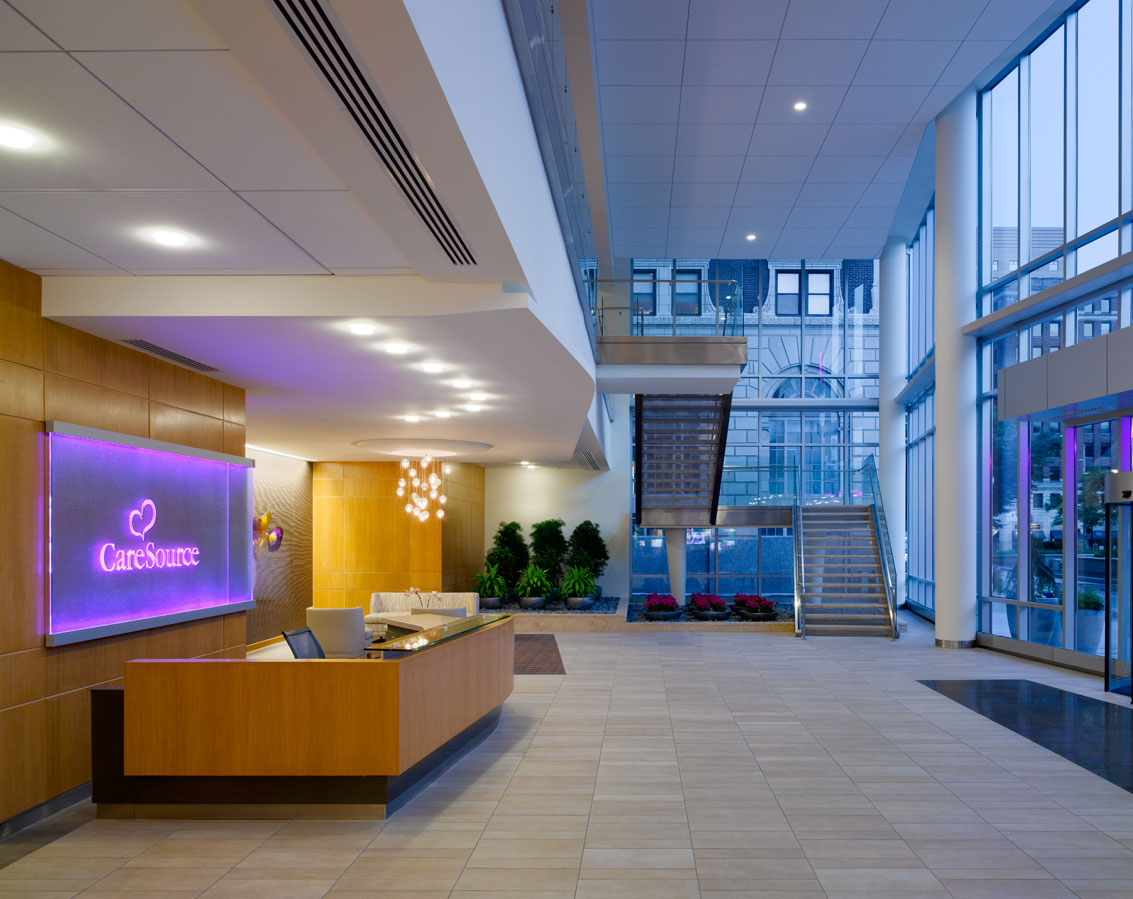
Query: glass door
{"type": "Point", "coordinates": [1117, 634]}
{"type": "Point", "coordinates": [1096, 454]}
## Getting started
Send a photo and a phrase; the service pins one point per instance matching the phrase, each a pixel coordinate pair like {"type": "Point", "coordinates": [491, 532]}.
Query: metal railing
{"type": "Point", "coordinates": [881, 528]}
{"type": "Point", "coordinates": [796, 533]}
{"type": "Point", "coordinates": [719, 309]}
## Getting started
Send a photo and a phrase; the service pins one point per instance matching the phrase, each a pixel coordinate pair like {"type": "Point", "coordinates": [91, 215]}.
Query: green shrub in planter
{"type": "Point", "coordinates": [1089, 600]}
{"type": "Point", "coordinates": [509, 553]}
{"type": "Point", "coordinates": [549, 547]}
{"type": "Point", "coordinates": [587, 549]}
{"type": "Point", "coordinates": [490, 585]}
{"type": "Point", "coordinates": [577, 587]}
{"type": "Point", "coordinates": [533, 587]}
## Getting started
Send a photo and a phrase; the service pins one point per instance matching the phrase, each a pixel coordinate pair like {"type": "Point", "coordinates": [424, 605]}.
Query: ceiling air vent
{"type": "Point", "coordinates": [590, 460]}
{"type": "Point", "coordinates": [327, 50]}
{"type": "Point", "coordinates": [169, 354]}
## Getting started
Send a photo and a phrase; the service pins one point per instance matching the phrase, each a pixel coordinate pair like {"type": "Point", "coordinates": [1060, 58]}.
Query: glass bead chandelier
{"type": "Point", "coordinates": [420, 482]}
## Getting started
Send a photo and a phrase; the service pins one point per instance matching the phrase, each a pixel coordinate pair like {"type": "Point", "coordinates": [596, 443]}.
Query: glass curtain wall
{"type": "Point", "coordinates": [1055, 167]}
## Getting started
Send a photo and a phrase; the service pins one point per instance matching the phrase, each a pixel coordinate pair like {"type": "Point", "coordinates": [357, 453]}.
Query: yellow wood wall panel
{"type": "Point", "coordinates": [21, 527]}
{"type": "Point", "coordinates": [80, 403]}
{"type": "Point", "coordinates": [233, 438]}
{"type": "Point", "coordinates": [183, 388]}
{"type": "Point", "coordinates": [23, 748]}
{"type": "Point", "coordinates": [68, 735]}
{"type": "Point", "coordinates": [81, 665]}
{"type": "Point", "coordinates": [234, 402]}
{"type": "Point", "coordinates": [21, 325]}
{"type": "Point", "coordinates": [329, 580]}
{"type": "Point", "coordinates": [327, 470]}
{"type": "Point", "coordinates": [328, 487]}
{"type": "Point", "coordinates": [187, 640]}
{"type": "Point", "coordinates": [21, 391]}
{"type": "Point", "coordinates": [329, 550]}
{"type": "Point", "coordinates": [84, 357]}
{"type": "Point", "coordinates": [188, 428]}
{"type": "Point", "coordinates": [23, 677]}
{"type": "Point", "coordinates": [235, 629]}
{"type": "Point", "coordinates": [328, 599]}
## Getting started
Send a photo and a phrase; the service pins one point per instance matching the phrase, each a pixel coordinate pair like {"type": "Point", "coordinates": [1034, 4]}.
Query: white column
{"type": "Point", "coordinates": [675, 550]}
{"type": "Point", "coordinates": [957, 484]}
{"type": "Point", "coordinates": [893, 317]}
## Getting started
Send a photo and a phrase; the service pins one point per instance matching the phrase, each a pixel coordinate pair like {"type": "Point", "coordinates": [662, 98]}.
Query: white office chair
{"type": "Point", "coordinates": [342, 633]}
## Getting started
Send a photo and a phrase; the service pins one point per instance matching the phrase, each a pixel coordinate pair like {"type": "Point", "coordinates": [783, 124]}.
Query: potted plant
{"type": "Point", "coordinates": [753, 607]}
{"type": "Point", "coordinates": [1090, 624]}
{"type": "Point", "coordinates": [533, 587]}
{"type": "Point", "coordinates": [707, 607]}
{"type": "Point", "coordinates": [509, 553]}
{"type": "Point", "coordinates": [578, 585]}
{"type": "Point", "coordinates": [587, 549]}
{"type": "Point", "coordinates": [490, 585]}
{"type": "Point", "coordinates": [662, 607]}
{"type": "Point", "coordinates": [549, 548]}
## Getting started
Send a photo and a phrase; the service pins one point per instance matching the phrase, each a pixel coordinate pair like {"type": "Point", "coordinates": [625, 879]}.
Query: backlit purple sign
{"type": "Point", "coordinates": [142, 535]}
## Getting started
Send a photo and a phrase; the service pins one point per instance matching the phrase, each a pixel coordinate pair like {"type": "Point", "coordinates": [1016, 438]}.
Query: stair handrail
{"type": "Point", "coordinates": [796, 533]}
{"type": "Point", "coordinates": [881, 529]}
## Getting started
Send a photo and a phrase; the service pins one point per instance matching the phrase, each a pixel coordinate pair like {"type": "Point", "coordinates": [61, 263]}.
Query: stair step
{"type": "Point", "coordinates": [844, 604]}
{"type": "Point", "coordinates": [848, 630]}
{"type": "Point", "coordinates": [835, 595]}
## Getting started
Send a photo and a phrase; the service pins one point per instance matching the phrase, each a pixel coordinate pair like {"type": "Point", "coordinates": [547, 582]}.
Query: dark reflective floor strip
{"type": "Point", "coordinates": [1089, 732]}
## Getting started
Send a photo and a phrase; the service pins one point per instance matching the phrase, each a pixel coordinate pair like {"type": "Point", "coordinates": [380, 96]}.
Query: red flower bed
{"type": "Point", "coordinates": [707, 602]}
{"type": "Point", "coordinates": [656, 602]}
{"type": "Point", "coordinates": [753, 602]}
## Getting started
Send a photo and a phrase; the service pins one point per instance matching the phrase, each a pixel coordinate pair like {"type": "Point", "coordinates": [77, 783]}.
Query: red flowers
{"type": "Point", "coordinates": [753, 602]}
{"type": "Point", "coordinates": [656, 602]}
{"type": "Point", "coordinates": [707, 602]}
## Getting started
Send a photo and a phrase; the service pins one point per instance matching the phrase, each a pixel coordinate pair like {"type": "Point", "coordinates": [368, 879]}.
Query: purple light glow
{"type": "Point", "coordinates": [112, 559]}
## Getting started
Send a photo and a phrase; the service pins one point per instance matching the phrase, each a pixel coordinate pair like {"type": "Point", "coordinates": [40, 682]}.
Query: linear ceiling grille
{"type": "Point", "coordinates": [590, 460]}
{"type": "Point", "coordinates": [168, 354]}
{"type": "Point", "coordinates": [313, 28]}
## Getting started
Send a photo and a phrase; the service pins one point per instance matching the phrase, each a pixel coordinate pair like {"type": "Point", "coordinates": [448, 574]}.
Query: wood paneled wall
{"type": "Point", "coordinates": [50, 371]}
{"type": "Point", "coordinates": [365, 543]}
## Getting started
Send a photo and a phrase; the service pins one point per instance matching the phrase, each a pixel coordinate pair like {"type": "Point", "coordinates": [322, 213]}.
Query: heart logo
{"type": "Point", "coordinates": [138, 517]}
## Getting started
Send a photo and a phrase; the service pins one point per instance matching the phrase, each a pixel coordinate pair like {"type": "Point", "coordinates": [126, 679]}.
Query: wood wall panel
{"type": "Point", "coordinates": [233, 438]}
{"type": "Point", "coordinates": [49, 370]}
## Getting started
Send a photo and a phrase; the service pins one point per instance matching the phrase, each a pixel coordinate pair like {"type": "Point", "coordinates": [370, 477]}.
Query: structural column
{"type": "Point", "coordinates": [675, 550]}
{"type": "Point", "coordinates": [893, 317]}
{"type": "Point", "coordinates": [957, 276]}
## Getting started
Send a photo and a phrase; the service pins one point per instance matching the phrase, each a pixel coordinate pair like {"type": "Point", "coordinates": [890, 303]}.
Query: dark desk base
{"type": "Point", "coordinates": [122, 796]}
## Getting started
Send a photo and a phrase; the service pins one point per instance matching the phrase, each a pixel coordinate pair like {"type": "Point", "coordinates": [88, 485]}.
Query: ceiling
{"type": "Point", "coordinates": [701, 145]}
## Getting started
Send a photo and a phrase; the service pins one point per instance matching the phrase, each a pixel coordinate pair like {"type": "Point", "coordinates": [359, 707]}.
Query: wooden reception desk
{"type": "Point", "coordinates": [328, 738]}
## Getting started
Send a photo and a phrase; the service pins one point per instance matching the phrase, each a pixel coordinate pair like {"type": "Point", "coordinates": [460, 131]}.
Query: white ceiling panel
{"type": "Point", "coordinates": [882, 194]}
{"type": "Point", "coordinates": [708, 169]}
{"type": "Point", "coordinates": [844, 169]}
{"type": "Point", "coordinates": [646, 139]}
{"type": "Point", "coordinates": [971, 59]}
{"type": "Point", "coordinates": [823, 19]}
{"type": "Point", "coordinates": [697, 216]}
{"type": "Point", "coordinates": [331, 226]}
{"type": "Point", "coordinates": [711, 194]}
{"type": "Point", "coordinates": [724, 20]}
{"type": "Point", "coordinates": [938, 98]}
{"type": "Point", "coordinates": [692, 250]}
{"type": "Point", "coordinates": [651, 236]}
{"type": "Point", "coordinates": [911, 19]}
{"type": "Point", "coordinates": [207, 103]}
{"type": "Point", "coordinates": [865, 217]}
{"type": "Point", "coordinates": [1005, 19]}
{"type": "Point", "coordinates": [804, 237]}
{"type": "Point", "coordinates": [639, 169]}
{"type": "Point", "coordinates": [712, 140]}
{"type": "Point", "coordinates": [787, 140]}
{"type": "Point", "coordinates": [817, 216]}
{"type": "Point", "coordinates": [733, 62]}
{"type": "Point", "coordinates": [757, 218]}
{"type": "Point", "coordinates": [623, 193]}
{"type": "Point", "coordinates": [234, 237]}
{"type": "Point", "coordinates": [813, 194]}
{"type": "Point", "coordinates": [16, 33]}
{"type": "Point", "coordinates": [639, 216]}
{"type": "Point", "coordinates": [640, 62]}
{"type": "Point", "coordinates": [95, 140]}
{"type": "Point", "coordinates": [868, 236]}
{"type": "Point", "coordinates": [761, 169]}
{"type": "Point", "coordinates": [696, 235]}
{"type": "Point", "coordinates": [767, 194]}
{"type": "Point", "coordinates": [640, 104]}
{"type": "Point", "coordinates": [37, 250]}
{"type": "Point", "coordinates": [712, 105]}
{"type": "Point", "coordinates": [905, 62]}
{"type": "Point", "coordinates": [822, 102]}
{"type": "Point", "coordinates": [121, 24]}
{"type": "Point", "coordinates": [641, 19]}
{"type": "Point", "coordinates": [881, 105]}
{"type": "Point", "coordinates": [736, 245]}
{"type": "Point", "coordinates": [816, 62]}
{"type": "Point", "coordinates": [860, 140]}
{"type": "Point", "coordinates": [895, 170]}
{"type": "Point", "coordinates": [909, 141]}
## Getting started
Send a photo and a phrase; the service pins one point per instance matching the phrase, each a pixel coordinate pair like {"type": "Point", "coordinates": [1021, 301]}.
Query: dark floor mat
{"type": "Point", "coordinates": [537, 654]}
{"type": "Point", "coordinates": [1089, 732]}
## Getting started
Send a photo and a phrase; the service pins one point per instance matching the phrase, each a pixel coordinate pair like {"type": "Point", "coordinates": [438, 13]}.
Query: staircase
{"type": "Point", "coordinates": [843, 587]}
{"type": "Point", "coordinates": [679, 457]}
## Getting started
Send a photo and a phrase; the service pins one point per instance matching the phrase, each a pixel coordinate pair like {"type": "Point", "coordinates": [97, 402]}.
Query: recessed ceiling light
{"type": "Point", "coordinates": [411, 418]}
{"type": "Point", "coordinates": [800, 106]}
{"type": "Point", "coordinates": [460, 383]}
{"type": "Point", "coordinates": [433, 367]}
{"type": "Point", "coordinates": [397, 349]}
{"type": "Point", "coordinates": [170, 237]}
{"type": "Point", "coordinates": [362, 329]}
{"type": "Point", "coordinates": [443, 413]}
{"type": "Point", "coordinates": [15, 137]}
{"type": "Point", "coordinates": [751, 237]}
{"type": "Point", "coordinates": [472, 407]}
{"type": "Point", "coordinates": [524, 462]}
{"type": "Point", "coordinates": [477, 397]}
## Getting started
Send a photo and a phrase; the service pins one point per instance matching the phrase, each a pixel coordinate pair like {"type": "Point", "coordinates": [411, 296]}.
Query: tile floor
{"type": "Point", "coordinates": [682, 765]}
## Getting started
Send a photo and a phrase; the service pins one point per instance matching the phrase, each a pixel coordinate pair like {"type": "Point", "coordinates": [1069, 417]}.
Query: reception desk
{"type": "Point", "coordinates": [323, 738]}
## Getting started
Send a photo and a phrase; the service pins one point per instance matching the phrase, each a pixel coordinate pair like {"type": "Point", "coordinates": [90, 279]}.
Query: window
{"type": "Point", "coordinates": [686, 300]}
{"type": "Point", "coordinates": [819, 293]}
{"type": "Point", "coordinates": [787, 293]}
{"type": "Point", "coordinates": [644, 291]}
{"type": "Point", "coordinates": [1037, 501]}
